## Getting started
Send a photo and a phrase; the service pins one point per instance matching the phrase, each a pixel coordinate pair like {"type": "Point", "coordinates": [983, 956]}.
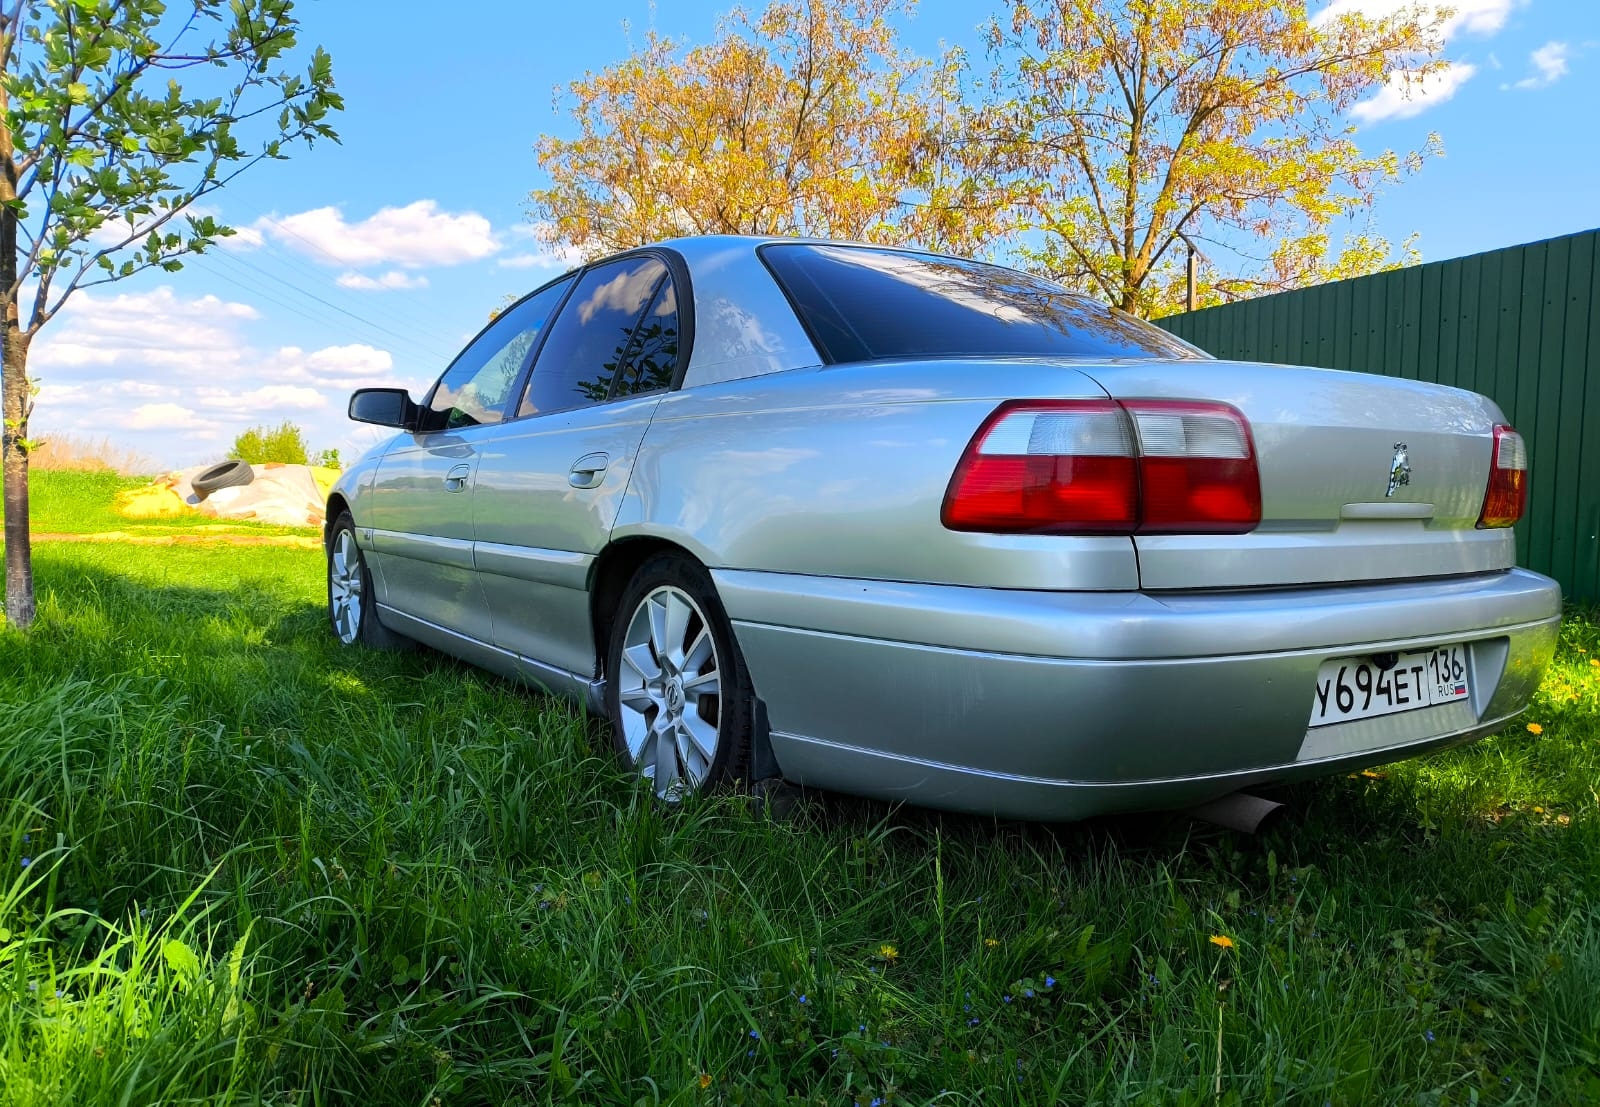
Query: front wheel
{"type": "Point", "coordinates": [350, 598]}
{"type": "Point", "coordinates": [678, 695]}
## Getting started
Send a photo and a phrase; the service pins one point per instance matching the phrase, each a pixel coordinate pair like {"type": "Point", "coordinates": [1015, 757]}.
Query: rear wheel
{"type": "Point", "coordinates": [350, 598]}
{"type": "Point", "coordinates": [679, 698]}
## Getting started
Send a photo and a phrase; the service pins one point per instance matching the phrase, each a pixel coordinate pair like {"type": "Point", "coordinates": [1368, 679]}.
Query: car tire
{"type": "Point", "coordinates": [228, 474]}
{"type": "Point", "coordinates": [352, 604]}
{"type": "Point", "coordinates": [678, 695]}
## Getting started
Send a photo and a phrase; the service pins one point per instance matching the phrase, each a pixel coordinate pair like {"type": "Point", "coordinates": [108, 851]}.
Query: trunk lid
{"type": "Point", "coordinates": [1328, 443]}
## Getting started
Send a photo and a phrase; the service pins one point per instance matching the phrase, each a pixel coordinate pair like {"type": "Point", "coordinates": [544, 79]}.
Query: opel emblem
{"type": "Point", "coordinates": [1399, 469]}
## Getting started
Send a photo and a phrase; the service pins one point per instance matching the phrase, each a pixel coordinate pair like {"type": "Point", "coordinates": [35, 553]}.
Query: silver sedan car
{"type": "Point", "coordinates": [930, 530]}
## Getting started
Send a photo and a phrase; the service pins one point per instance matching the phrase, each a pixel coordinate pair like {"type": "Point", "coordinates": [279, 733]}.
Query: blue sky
{"type": "Point", "coordinates": [372, 261]}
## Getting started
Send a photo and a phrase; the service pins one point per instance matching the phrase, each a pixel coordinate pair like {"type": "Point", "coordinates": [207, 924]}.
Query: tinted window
{"type": "Point", "coordinates": [590, 342]}
{"type": "Point", "coordinates": [653, 357]}
{"type": "Point", "coordinates": [861, 304]}
{"type": "Point", "coordinates": [475, 388]}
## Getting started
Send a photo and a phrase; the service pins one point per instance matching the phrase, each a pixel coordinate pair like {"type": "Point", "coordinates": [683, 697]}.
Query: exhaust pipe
{"type": "Point", "coordinates": [1237, 811]}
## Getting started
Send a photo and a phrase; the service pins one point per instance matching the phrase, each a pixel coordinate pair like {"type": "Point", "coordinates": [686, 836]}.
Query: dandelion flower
{"type": "Point", "coordinates": [888, 953]}
{"type": "Point", "coordinates": [991, 942]}
{"type": "Point", "coordinates": [705, 1080]}
{"type": "Point", "coordinates": [1222, 941]}
{"type": "Point", "coordinates": [1535, 728]}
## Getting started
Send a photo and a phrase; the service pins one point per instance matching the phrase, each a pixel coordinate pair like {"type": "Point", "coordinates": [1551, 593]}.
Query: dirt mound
{"type": "Point", "coordinates": [282, 495]}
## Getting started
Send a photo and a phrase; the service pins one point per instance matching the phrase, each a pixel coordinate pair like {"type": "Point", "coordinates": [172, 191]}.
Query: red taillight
{"type": "Point", "coordinates": [1103, 467]}
{"type": "Point", "coordinates": [1507, 494]}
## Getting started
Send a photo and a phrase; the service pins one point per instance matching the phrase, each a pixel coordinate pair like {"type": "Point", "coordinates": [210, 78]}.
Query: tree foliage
{"type": "Point", "coordinates": [808, 118]}
{"type": "Point", "coordinates": [285, 443]}
{"type": "Point", "coordinates": [116, 118]}
{"type": "Point", "coordinates": [1125, 125]}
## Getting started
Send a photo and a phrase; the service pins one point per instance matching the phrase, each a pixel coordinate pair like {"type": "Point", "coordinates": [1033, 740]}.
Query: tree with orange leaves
{"type": "Point", "coordinates": [805, 119]}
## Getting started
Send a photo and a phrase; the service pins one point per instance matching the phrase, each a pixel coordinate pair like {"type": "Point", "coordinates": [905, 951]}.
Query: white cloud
{"type": "Point", "coordinates": [178, 377]}
{"type": "Point", "coordinates": [409, 237]}
{"type": "Point", "coordinates": [542, 256]}
{"type": "Point", "coordinates": [1550, 61]}
{"type": "Point", "coordinates": [156, 329]}
{"type": "Point", "coordinates": [272, 398]}
{"type": "Point", "coordinates": [393, 279]}
{"type": "Point", "coordinates": [1405, 94]}
{"type": "Point", "coordinates": [529, 261]}
{"type": "Point", "coordinates": [242, 238]}
{"type": "Point", "coordinates": [164, 417]}
{"type": "Point", "coordinates": [1479, 17]}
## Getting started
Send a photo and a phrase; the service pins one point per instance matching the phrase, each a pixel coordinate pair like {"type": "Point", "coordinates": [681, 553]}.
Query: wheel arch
{"type": "Point", "coordinates": [337, 506]}
{"type": "Point", "coordinates": [609, 576]}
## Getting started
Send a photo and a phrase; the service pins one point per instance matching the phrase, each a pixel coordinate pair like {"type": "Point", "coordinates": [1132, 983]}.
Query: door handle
{"type": "Point", "coordinates": [456, 479]}
{"type": "Point", "coordinates": [588, 471]}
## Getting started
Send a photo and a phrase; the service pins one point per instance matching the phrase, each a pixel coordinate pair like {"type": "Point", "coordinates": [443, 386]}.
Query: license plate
{"type": "Point", "coordinates": [1357, 688]}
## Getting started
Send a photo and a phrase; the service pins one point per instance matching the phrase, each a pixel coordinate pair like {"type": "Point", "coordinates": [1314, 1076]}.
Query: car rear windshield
{"type": "Point", "coordinates": [864, 304]}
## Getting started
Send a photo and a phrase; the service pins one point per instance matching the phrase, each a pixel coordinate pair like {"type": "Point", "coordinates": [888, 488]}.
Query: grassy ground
{"type": "Point", "coordinates": [238, 864]}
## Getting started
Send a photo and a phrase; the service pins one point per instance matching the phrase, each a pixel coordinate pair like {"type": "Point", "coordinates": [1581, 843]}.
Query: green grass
{"type": "Point", "coordinates": [265, 869]}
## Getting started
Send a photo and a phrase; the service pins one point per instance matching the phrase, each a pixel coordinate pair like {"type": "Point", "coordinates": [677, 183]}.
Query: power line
{"type": "Point", "coordinates": [425, 345]}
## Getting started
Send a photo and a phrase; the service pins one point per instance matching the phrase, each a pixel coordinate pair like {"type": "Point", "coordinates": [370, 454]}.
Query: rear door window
{"type": "Point", "coordinates": [616, 336]}
{"type": "Point", "coordinates": [866, 304]}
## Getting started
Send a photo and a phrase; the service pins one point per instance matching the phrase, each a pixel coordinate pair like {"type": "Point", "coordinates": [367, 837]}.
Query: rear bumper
{"type": "Point", "coordinates": [1053, 705]}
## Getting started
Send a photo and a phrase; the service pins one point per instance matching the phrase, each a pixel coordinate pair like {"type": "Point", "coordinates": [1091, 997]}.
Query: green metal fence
{"type": "Point", "coordinates": [1521, 325]}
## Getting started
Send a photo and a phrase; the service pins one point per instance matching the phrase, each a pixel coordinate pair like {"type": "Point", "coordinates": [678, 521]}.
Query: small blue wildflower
{"type": "Point", "coordinates": [1049, 982]}
{"type": "Point", "coordinates": [877, 1101]}
{"type": "Point", "coordinates": [749, 1053]}
{"type": "Point", "coordinates": [1427, 1035]}
{"type": "Point", "coordinates": [1008, 999]}
{"type": "Point", "coordinates": [1271, 920]}
{"type": "Point", "coordinates": [836, 1051]}
{"type": "Point", "coordinates": [966, 1006]}
{"type": "Point", "coordinates": [804, 1000]}
{"type": "Point", "coordinates": [1028, 992]}
{"type": "Point", "coordinates": [26, 838]}
{"type": "Point", "coordinates": [58, 993]}
{"type": "Point", "coordinates": [756, 1034]}
{"type": "Point", "coordinates": [1505, 1080]}
{"type": "Point", "coordinates": [972, 1021]}
{"type": "Point", "coordinates": [26, 861]}
{"type": "Point", "coordinates": [862, 1028]}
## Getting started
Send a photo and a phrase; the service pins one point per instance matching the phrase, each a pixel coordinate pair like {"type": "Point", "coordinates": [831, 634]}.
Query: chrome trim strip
{"type": "Point", "coordinates": [562, 568]}
{"type": "Point", "coordinates": [454, 552]}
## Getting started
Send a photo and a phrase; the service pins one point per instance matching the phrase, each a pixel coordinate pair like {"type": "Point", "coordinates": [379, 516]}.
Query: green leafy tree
{"type": "Point", "coordinates": [116, 117]}
{"type": "Point", "coordinates": [285, 443]}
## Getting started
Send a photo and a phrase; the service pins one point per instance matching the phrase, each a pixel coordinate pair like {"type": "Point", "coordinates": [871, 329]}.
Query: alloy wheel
{"type": "Point", "coordinates": [670, 692]}
{"type": "Point", "coordinates": [345, 586]}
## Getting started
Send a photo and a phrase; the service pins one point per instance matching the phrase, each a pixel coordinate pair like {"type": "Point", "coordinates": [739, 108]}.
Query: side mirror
{"type": "Point", "coordinates": [387, 407]}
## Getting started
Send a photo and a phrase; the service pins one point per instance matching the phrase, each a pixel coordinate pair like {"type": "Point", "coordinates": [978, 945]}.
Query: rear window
{"type": "Point", "coordinates": [863, 304]}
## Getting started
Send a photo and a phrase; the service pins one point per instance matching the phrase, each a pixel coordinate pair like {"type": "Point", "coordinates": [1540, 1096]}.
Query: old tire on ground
{"type": "Point", "coordinates": [227, 474]}
{"type": "Point", "coordinates": [678, 695]}
{"type": "Point", "coordinates": [352, 605]}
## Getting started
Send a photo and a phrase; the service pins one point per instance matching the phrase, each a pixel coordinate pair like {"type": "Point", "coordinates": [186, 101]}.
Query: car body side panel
{"type": "Point", "coordinates": [744, 326]}
{"type": "Point", "coordinates": [421, 530]}
{"type": "Point", "coordinates": [842, 472]}
{"type": "Point", "coordinates": [537, 533]}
